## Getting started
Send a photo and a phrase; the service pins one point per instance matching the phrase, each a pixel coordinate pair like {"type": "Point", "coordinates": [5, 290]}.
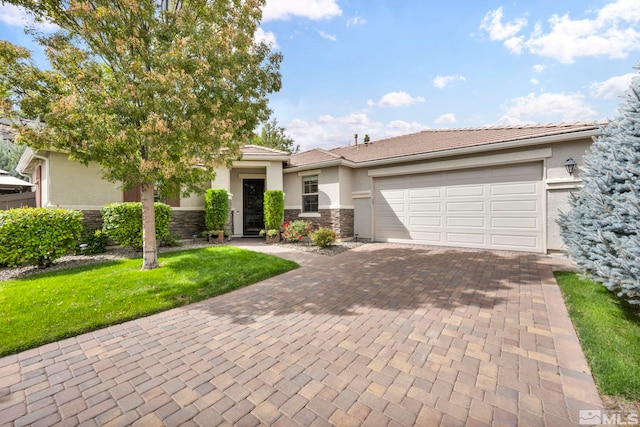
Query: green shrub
{"type": "Point", "coordinates": [170, 241]}
{"type": "Point", "coordinates": [323, 237]}
{"type": "Point", "coordinates": [295, 231]}
{"type": "Point", "coordinates": [273, 209]}
{"type": "Point", "coordinates": [37, 236]}
{"type": "Point", "coordinates": [122, 222]}
{"type": "Point", "coordinates": [216, 209]}
{"type": "Point", "coordinates": [91, 242]}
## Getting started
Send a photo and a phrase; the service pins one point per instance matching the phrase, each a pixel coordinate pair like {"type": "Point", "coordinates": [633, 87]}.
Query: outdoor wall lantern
{"type": "Point", "coordinates": [570, 165]}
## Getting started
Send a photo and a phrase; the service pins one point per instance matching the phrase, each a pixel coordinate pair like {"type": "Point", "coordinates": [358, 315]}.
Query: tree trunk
{"type": "Point", "coordinates": [149, 250]}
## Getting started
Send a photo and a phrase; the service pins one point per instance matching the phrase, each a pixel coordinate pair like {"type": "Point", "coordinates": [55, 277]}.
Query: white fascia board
{"type": "Point", "coordinates": [27, 157]}
{"type": "Point", "coordinates": [453, 152]}
{"type": "Point", "coordinates": [465, 163]}
{"type": "Point", "coordinates": [263, 157]}
{"type": "Point", "coordinates": [319, 165]}
{"type": "Point", "coordinates": [484, 148]}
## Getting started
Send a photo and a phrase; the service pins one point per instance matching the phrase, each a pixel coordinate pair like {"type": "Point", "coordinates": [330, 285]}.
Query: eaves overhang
{"type": "Point", "coordinates": [452, 152]}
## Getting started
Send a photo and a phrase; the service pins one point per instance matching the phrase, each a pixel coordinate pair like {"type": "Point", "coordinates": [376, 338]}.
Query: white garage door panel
{"type": "Point", "coordinates": [466, 221]}
{"type": "Point", "coordinates": [429, 221]}
{"type": "Point", "coordinates": [428, 193]}
{"type": "Point", "coordinates": [424, 207]}
{"type": "Point", "coordinates": [463, 191]}
{"type": "Point", "coordinates": [515, 223]}
{"type": "Point", "coordinates": [514, 206]}
{"type": "Point", "coordinates": [514, 189]}
{"type": "Point", "coordinates": [472, 239]}
{"type": "Point", "coordinates": [477, 206]}
{"type": "Point", "coordinates": [510, 240]}
{"type": "Point", "coordinates": [493, 208]}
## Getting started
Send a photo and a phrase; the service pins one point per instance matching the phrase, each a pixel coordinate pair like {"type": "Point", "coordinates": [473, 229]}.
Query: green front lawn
{"type": "Point", "coordinates": [609, 332]}
{"type": "Point", "coordinates": [51, 306]}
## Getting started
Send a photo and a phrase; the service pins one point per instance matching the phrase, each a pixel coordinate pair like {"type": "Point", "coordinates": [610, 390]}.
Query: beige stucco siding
{"type": "Point", "coordinates": [194, 202]}
{"type": "Point", "coordinates": [345, 178]}
{"type": "Point", "coordinates": [74, 185]}
{"type": "Point", "coordinates": [559, 185]}
{"type": "Point", "coordinates": [292, 185]}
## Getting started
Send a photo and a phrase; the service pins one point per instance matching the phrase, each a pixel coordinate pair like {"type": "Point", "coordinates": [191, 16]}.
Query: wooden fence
{"type": "Point", "coordinates": [17, 200]}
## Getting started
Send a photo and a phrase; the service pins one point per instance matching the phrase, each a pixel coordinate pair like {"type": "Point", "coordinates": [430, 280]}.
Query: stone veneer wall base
{"type": "Point", "coordinates": [184, 224]}
{"type": "Point", "coordinates": [340, 220]}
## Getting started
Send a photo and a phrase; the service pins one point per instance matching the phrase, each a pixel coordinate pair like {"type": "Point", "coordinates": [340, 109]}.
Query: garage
{"type": "Point", "coordinates": [490, 208]}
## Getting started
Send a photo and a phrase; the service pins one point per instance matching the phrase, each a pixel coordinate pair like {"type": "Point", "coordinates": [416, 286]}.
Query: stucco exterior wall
{"type": "Point", "coordinates": [194, 202]}
{"type": "Point", "coordinates": [75, 186]}
{"type": "Point", "coordinates": [559, 184]}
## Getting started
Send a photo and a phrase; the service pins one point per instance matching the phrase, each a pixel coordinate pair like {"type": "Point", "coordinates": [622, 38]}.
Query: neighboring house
{"type": "Point", "coordinates": [492, 188]}
{"type": "Point", "coordinates": [12, 185]}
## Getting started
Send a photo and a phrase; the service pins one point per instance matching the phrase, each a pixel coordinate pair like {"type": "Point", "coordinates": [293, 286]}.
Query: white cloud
{"type": "Point", "coordinates": [504, 32]}
{"type": "Point", "coordinates": [612, 32]}
{"type": "Point", "coordinates": [396, 99]}
{"type": "Point", "coordinates": [266, 36]}
{"type": "Point", "coordinates": [551, 107]}
{"type": "Point", "coordinates": [327, 36]}
{"type": "Point", "coordinates": [511, 121]}
{"type": "Point", "coordinates": [328, 131]}
{"type": "Point", "coordinates": [446, 118]}
{"type": "Point", "coordinates": [534, 81]}
{"type": "Point", "coordinates": [613, 87]}
{"type": "Point", "coordinates": [538, 68]}
{"type": "Point", "coordinates": [443, 81]}
{"type": "Point", "coordinates": [356, 20]}
{"type": "Point", "coordinates": [311, 9]}
{"type": "Point", "coordinates": [400, 127]}
{"type": "Point", "coordinates": [16, 16]}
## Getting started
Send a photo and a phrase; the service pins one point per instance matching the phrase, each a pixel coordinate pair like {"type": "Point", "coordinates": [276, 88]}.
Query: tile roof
{"type": "Point", "coordinates": [435, 140]}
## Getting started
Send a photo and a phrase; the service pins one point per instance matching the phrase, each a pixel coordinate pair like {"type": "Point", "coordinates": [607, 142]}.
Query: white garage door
{"type": "Point", "coordinates": [492, 208]}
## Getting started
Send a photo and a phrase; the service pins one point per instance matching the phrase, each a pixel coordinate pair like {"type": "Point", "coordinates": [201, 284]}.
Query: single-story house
{"type": "Point", "coordinates": [491, 187]}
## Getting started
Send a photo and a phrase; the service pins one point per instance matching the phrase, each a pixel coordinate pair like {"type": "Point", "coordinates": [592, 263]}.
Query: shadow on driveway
{"type": "Point", "coordinates": [386, 278]}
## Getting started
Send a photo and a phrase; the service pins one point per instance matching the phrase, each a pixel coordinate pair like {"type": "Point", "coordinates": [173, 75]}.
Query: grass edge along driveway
{"type": "Point", "coordinates": [47, 307]}
{"type": "Point", "coordinates": [609, 332]}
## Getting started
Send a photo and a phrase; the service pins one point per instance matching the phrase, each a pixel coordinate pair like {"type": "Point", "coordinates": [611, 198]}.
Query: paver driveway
{"type": "Point", "coordinates": [380, 335]}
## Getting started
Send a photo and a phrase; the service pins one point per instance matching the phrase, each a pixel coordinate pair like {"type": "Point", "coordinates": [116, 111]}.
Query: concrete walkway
{"type": "Point", "coordinates": [382, 335]}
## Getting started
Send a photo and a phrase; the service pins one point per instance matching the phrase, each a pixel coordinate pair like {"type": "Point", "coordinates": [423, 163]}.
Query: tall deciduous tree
{"type": "Point", "coordinates": [602, 229]}
{"type": "Point", "coordinates": [158, 92]}
{"type": "Point", "coordinates": [274, 136]}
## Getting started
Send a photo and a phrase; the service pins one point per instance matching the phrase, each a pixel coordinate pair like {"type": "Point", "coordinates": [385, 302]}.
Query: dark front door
{"type": "Point", "coordinates": [252, 196]}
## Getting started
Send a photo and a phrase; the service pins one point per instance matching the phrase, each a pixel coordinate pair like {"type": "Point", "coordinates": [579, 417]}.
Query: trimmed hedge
{"type": "Point", "coordinates": [273, 209]}
{"type": "Point", "coordinates": [216, 209]}
{"type": "Point", "coordinates": [37, 236]}
{"type": "Point", "coordinates": [122, 222]}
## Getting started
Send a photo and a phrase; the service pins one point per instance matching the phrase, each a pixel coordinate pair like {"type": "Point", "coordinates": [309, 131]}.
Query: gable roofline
{"type": "Point", "coordinates": [591, 132]}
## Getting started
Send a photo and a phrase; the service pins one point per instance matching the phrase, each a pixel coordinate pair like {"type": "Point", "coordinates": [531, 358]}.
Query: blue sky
{"type": "Point", "coordinates": [385, 68]}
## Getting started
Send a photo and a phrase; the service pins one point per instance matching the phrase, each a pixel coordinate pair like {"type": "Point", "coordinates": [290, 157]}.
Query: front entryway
{"type": "Point", "coordinates": [252, 200]}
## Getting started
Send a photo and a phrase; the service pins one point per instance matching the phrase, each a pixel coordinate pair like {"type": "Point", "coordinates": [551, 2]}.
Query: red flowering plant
{"type": "Point", "coordinates": [295, 231]}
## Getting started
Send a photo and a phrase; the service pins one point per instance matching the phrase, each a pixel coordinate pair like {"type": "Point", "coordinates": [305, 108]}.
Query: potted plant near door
{"type": "Point", "coordinates": [273, 214]}
{"type": "Point", "coordinates": [216, 212]}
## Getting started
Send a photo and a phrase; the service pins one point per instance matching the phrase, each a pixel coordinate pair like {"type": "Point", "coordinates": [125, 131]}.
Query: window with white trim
{"type": "Point", "coordinates": [310, 193]}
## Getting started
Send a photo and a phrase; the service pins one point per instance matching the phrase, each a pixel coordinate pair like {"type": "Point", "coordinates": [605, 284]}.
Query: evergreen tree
{"type": "Point", "coordinates": [602, 229]}
{"type": "Point", "coordinates": [9, 155]}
